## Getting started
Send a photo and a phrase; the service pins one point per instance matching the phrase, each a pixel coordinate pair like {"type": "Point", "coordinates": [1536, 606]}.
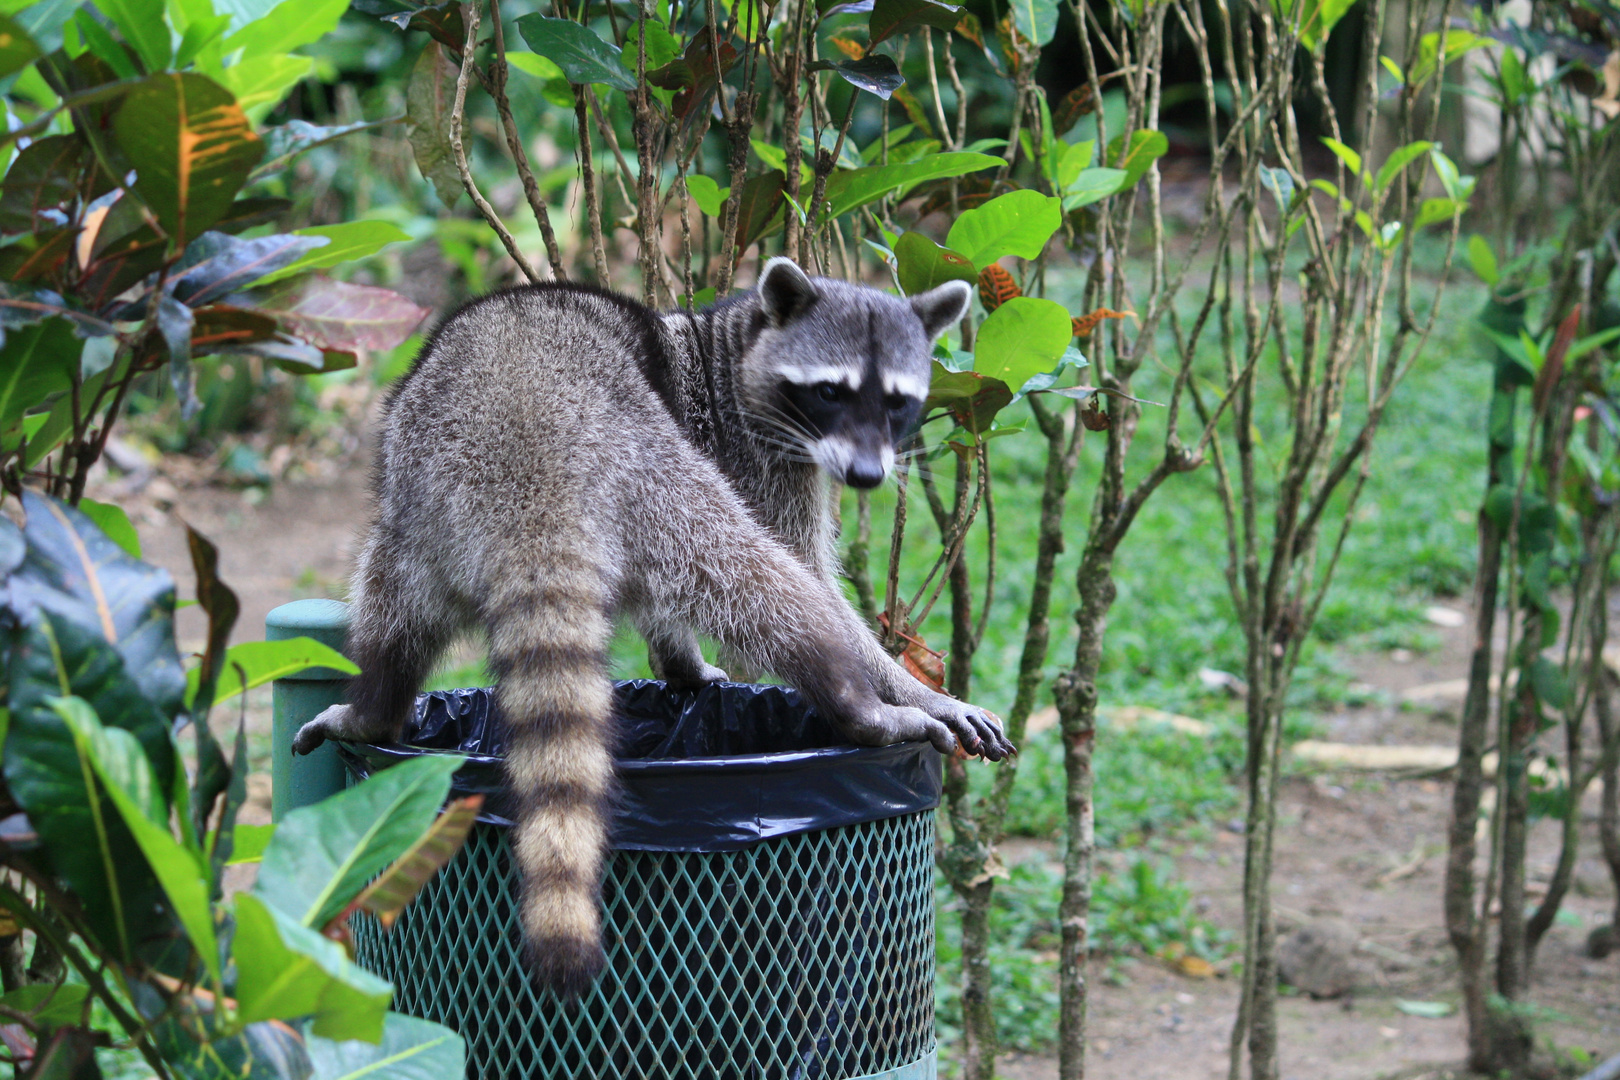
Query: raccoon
{"type": "Point", "coordinates": [561, 456]}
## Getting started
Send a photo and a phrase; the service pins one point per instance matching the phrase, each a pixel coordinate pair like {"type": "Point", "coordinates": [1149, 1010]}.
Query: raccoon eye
{"type": "Point", "coordinates": [896, 402]}
{"type": "Point", "coordinates": [827, 391]}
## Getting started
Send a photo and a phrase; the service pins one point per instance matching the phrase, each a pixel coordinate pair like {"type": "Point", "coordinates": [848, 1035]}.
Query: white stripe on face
{"type": "Point", "coordinates": [817, 374]}
{"type": "Point", "coordinates": [833, 454]}
{"type": "Point", "coordinates": [909, 385]}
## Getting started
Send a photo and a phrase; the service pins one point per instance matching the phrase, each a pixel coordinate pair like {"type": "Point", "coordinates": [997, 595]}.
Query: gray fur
{"type": "Point", "coordinates": [560, 456]}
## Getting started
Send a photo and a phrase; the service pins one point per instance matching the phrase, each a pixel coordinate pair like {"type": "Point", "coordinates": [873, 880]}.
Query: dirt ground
{"type": "Point", "coordinates": [1362, 847]}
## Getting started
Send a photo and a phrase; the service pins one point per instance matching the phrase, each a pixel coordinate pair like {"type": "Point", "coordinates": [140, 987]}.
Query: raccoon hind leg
{"type": "Point", "coordinates": [549, 634]}
{"type": "Point", "coordinates": [675, 656]}
{"type": "Point", "coordinates": [401, 617]}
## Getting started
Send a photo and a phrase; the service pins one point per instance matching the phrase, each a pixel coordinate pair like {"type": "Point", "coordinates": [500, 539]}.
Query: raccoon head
{"type": "Point", "coordinates": [840, 371]}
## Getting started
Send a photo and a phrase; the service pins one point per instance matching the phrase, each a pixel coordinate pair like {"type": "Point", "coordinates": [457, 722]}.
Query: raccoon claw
{"type": "Point", "coordinates": [696, 679]}
{"type": "Point", "coordinates": [330, 723]}
{"type": "Point", "coordinates": [978, 731]}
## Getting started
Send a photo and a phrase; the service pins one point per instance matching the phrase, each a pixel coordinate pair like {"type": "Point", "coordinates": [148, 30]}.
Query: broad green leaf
{"type": "Point", "coordinates": [338, 315]}
{"type": "Point", "coordinates": [1351, 159]}
{"type": "Point", "coordinates": [289, 25]}
{"type": "Point", "coordinates": [84, 842]}
{"type": "Point", "coordinates": [1320, 17]}
{"type": "Point", "coordinates": [43, 179]}
{"type": "Point", "coordinates": [1017, 223]}
{"type": "Point", "coordinates": [891, 17]}
{"type": "Point", "coordinates": [285, 970]}
{"type": "Point", "coordinates": [346, 242]}
{"type": "Point", "coordinates": [1483, 260]}
{"type": "Point", "coordinates": [1280, 182]}
{"type": "Point", "coordinates": [216, 265]}
{"type": "Point", "coordinates": [1093, 185]}
{"type": "Point", "coordinates": [115, 523]}
{"type": "Point", "coordinates": [1590, 342]}
{"type": "Point", "coordinates": [248, 843]}
{"type": "Point", "coordinates": [36, 362]}
{"type": "Point", "coordinates": [50, 1006]}
{"type": "Point", "coordinates": [1036, 20]}
{"type": "Point", "coordinates": [1434, 211]}
{"type": "Point", "coordinates": [1430, 60]}
{"type": "Point", "coordinates": [1137, 155]}
{"type": "Point", "coordinates": [74, 570]}
{"type": "Point", "coordinates": [536, 65]}
{"type": "Point", "coordinates": [709, 196]}
{"type": "Point", "coordinates": [265, 661]}
{"type": "Point", "coordinates": [243, 12]}
{"type": "Point", "coordinates": [1399, 160]}
{"type": "Point", "coordinates": [583, 57]}
{"type": "Point", "coordinates": [43, 21]}
{"type": "Point", "coordinates": [429, 99]}
{"type": "Point", "coordinates": [875, 73]}
{"type": "Point", "coordinates": [17, 49]}
{"type": "Point", "coordinates": [1075, 159]}
{"type": "Point", "coordinates": [410, 1049]}
{"type": "Point", "coordinates": [323, 855]}
{"type": "Point", "coordinates": [1021, 339]}
{"type": "Point", "coordinates": [260, 82]}
{"type": "Point", "coordinates": [849, 189]}
{"type": "Point", "coordinates": [126, 775]}
{"type": "Point", "coordinates": [142, 24]}
{"type": "Point", "coordinates": [972, 399]}
{"type": "Point", "coordinates": [923, 264]}
{"type": "Point", "coordinates": [192, 149]}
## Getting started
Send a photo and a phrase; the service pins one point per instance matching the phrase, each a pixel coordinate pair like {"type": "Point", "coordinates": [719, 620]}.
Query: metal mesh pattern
{"type": "Point", "coordinates": [810, 956]}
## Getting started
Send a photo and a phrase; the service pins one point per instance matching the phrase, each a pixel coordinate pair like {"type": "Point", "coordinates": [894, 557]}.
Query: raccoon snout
{"type": "Point", "coordinates": [865, 472]}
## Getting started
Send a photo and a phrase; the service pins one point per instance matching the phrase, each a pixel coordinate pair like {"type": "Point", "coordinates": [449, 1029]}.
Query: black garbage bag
{"type": "Point", "coordinates": [715, 769]}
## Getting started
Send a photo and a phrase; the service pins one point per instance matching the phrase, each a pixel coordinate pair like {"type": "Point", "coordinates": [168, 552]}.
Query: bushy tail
{"type": "Point", "coordinates": [549, 638]}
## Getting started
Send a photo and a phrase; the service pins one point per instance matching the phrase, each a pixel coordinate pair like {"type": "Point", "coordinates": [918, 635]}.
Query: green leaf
{"type": "Point", "coordinates": [143, 26]}
{"type": "Point", "coordinates": [114, 522]}
{"type": "Point", "coordinates": [260, 82]}
{"type": "Point", "coordinates": [850, 189]}
{"type": "Point", "coordinates": [533, 64]}
{"type": "Point", "coordinates": [923, 264]}
{"type": "Point", "coordinates": [1394, 69]}
{"type": "Point", "coordinates": [265, 661]}
{"type": "Point", "coordinates": [289, 25]}
{"type": "Point", "coordinates": [1036, 20]}
{"type": "Point", "coordinates": [43, 180]}
{"type": "Point", "coordinates": [75, 571]}
{"type": "Point", "coordinates": [346, 242]}
{"type": "Point", "coordinates": [1351, 159]}
{"type": "Point", "coordinates": [1429, 1010]}
{"type": "Point", "coordinates": [1457, 186]}
{"type": "Point", "coordinates": [50, 1006]}
{"type": "Point", "coordinates": [1135, 157]}
{"type": "Point", "coordinates": [17, 49]}
{"type": "Point", "coordinates": [36, 362]}
{"type": "Point", "coordinates": [410, 1049]}
{"type": "Point", "coordinates": [709, 196]}
{"type": "Point", "coordinates": [192, 150]}
{"type": "Point", "coordinates": [1483, 260]}
{"type": "Point", "coordinates": [875, 73]}
{"type": "Point", "coordinates": [583, 57]}
{"type": "Point", "coordinates": [1399, 160]}
{"type": "Point", "coordinates": [43, 21]}
{"type": "Point", "coordinates": [1093, 185]}
{"type": "Point", "coordinates": [1430, 60]}
{"type": "Point", "coordinates": [248, 843]}
{"type": "Point", "coordinates": [1550, 685]}
{"type": "Point", "coordinates": [338, 315]}
{"type": "Point", "coordinates": [1021, 339]}
{"type": "Point", "coordinates": [429, 98]}
{"type": "Point", "coordinates": [1074, 159]}
{"type": "Point", "coordinates": [1434, 211]}
{"type": "Point", "coordinates": [1321, 16]}
{"type": "Point", "coordinates": [121, 765]}
{"type": "Point", "coordinates": [323, 855]}
{"type": "Point", "coordinates": [1017, 223]}
{"type": "Point", "coordinates": [285, 970]}
{"type": "Point", "coordinates": [891, 17]}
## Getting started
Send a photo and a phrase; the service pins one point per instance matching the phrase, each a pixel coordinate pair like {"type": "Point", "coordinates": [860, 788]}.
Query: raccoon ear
{"type": "Point", "coordinates": [942, 305]}
{"type": "Point", "coordinates": [785, 292]}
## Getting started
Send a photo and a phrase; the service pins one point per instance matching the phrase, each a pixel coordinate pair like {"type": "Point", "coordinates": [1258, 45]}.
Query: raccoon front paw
{"type": "Point", "coordinates": [887, 724]}
{"type": "Point", "coordinates": [332, 723]}
{"type": "Point", "coordinates": [978, 730]}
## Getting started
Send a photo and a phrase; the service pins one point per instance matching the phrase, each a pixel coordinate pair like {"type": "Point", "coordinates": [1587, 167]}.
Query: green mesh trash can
{"type": "Point", "coordinates": [768, 907]}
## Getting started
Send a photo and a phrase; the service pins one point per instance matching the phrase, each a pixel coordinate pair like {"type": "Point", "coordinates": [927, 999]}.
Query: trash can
{"type": "Point", "coordinates": [768, 907]}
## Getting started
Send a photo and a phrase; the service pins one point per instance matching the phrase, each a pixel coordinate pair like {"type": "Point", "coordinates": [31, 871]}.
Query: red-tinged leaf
{"type": "Point", "coordinates": [924, 664]}
{"type": "Point", "coordinates": [1553, 368]}
{"type": "Point", "coordinates": [996, 287]}
{"type": "Point", "coordinates": [760, 206]}
{"type": "Point", "coordinates": [1071, 107]}
{"type": "Point", "coordinates": [1085, 324]}
{"type": "Point", "coordinates": [336, 315]}
{"type": "Point", "coordinates": [848, 46]}
{"type": "Point", "coordinates": [398, 885]}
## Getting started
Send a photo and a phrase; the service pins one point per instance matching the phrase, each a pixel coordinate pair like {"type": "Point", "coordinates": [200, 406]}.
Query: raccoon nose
{"type": "Point", "coordinates": [864, 472]}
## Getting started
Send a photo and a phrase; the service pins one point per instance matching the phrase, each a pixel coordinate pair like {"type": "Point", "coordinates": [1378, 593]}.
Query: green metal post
{"type": "Point", "coordinates": [299, 781]}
